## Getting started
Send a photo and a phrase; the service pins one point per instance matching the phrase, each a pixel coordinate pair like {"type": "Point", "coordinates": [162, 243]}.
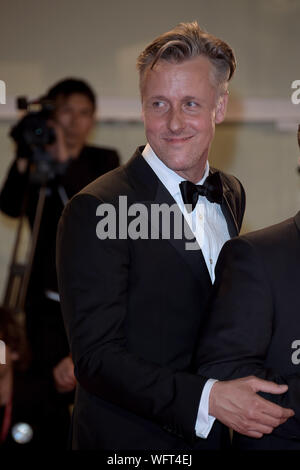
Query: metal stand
{"type": "Point", "coordinates": [19, 272]}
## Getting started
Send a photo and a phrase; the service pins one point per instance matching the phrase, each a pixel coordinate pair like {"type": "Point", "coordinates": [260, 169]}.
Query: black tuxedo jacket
{"type": "Point", "coordinates": [253, 325]}
{"type": "Point", "coordinates": [133, 311]}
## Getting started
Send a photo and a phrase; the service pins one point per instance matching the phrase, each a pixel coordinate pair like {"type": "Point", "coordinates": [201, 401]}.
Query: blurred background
{"type": "Point", "coordinates": [44, 41]}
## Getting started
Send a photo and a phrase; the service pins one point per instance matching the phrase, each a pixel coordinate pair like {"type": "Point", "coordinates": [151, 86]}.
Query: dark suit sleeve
{"type": "Point", "coordinates": [94, 285]}
{"type": "Point", "coordinates": [238, 328]}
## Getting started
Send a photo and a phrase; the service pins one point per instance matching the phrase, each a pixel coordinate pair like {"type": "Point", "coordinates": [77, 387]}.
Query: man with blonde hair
{"type": "Point", "coordinates": [133, 303]}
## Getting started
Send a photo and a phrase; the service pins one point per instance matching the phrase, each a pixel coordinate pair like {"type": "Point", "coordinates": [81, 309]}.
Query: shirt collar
{"type": "Point", "coordinates": [168, 177]}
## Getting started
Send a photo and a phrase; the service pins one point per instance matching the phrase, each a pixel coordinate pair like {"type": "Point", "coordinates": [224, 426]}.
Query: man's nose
{"type": "Point", "coordinates": [176, 121]}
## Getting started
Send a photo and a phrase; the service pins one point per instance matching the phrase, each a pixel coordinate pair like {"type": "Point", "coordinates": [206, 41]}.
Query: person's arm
{"type": "Point", "coordinates": [238, 329]}
{"type": "Point", "coordinates": [63, 375]}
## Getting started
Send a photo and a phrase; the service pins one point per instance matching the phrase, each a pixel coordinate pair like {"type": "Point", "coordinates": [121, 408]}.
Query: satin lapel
{"type": "Point", "coordinates": [193, 257]}
{"type": "Point", "coordinates": [149, 191]}
{"type": "Point", "coordinates": [229, 216]}
{"type": "Point", "coordinates": [232, 225]}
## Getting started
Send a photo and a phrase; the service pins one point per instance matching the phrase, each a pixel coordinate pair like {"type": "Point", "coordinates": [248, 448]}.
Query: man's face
{"type": "Point", "coordinates": [180, 108]}
{"type": "Point", "coordinates": [75, 114]}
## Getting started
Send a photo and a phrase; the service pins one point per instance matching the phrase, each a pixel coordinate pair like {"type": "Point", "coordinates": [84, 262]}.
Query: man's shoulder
{"type": "Point", "coordinates": [230, 182]}
{"type": "Point", "coordinates": [274, 249]}
{"type": "Point", "coordinates": [280, 239]}
{"type": "Point", "coordinates": [271, 233]}
{"type": "Point", "coordinates": [109, 186]}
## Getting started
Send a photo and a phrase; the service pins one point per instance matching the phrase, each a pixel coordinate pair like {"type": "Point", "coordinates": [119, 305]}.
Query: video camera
{"type": "Point", "coordinates": [32, 130]}
{"type": "Point", "coordinates": [32, 134]}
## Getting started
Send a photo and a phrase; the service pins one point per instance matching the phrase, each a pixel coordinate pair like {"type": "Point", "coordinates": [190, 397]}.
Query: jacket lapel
{"type": "Point", "coordinates": [226, 207]}
{"type": "Point", "coordinates": [229, 216]}
{"type": "Point", "coordinates": [193, 257]}
{"type": "Point", "coordinates": [149, 191]}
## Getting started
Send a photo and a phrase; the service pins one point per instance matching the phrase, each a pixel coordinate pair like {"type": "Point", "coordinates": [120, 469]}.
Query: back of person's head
{"type": "Point", "coordinates": [13, 336]}
{"type": "Point", "coordinates": [187, 41]}
{"type": "Point", "coordinates": [71, 86]}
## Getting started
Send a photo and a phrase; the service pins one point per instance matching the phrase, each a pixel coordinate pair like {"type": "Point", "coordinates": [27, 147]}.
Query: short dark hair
{"type": "Point", "coordinates": [186, 41]}
{"type": "Point", "coordinates": [70, 86]}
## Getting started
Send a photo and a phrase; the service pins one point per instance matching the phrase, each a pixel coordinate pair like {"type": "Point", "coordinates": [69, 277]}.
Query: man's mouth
{"type": "Point", "coordinates": [177, 140]}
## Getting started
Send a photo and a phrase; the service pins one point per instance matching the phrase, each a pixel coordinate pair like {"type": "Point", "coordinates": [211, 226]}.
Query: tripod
{"type": "Point", "coordinates": [40, 172]}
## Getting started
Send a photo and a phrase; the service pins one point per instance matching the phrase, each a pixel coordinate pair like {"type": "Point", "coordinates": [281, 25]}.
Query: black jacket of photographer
{"type": "Point", "coordinates": [43, 318]}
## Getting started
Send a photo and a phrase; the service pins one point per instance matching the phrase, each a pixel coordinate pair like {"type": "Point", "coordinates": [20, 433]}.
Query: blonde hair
{"type": "Point", "coordinates": [187, 41]}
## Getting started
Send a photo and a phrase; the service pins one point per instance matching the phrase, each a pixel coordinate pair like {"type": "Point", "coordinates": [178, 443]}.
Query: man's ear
{"type": "Point", "coordinates": [221, 107]}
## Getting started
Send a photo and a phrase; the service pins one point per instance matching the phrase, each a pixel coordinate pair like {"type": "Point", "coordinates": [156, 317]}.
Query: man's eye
{"type": "Point", "coordinates": [158, 104]}
{"type": "Point", "coordinates": [191, 104]}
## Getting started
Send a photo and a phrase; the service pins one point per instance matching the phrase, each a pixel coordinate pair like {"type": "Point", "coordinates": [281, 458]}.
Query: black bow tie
{"type": "Point", "coordinates": [212, 189]}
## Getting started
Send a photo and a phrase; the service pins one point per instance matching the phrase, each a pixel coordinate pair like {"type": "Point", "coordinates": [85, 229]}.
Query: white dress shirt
{"type": "Point", "coordinates": [209, 227]}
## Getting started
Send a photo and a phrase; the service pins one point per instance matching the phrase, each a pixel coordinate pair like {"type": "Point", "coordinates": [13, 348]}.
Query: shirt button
{"type": "Point", "coordinates": [211, 261]}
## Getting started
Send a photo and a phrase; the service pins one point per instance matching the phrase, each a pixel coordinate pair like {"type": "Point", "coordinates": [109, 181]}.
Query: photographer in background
{"type": "Point", "coordinates": [77, 165]}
